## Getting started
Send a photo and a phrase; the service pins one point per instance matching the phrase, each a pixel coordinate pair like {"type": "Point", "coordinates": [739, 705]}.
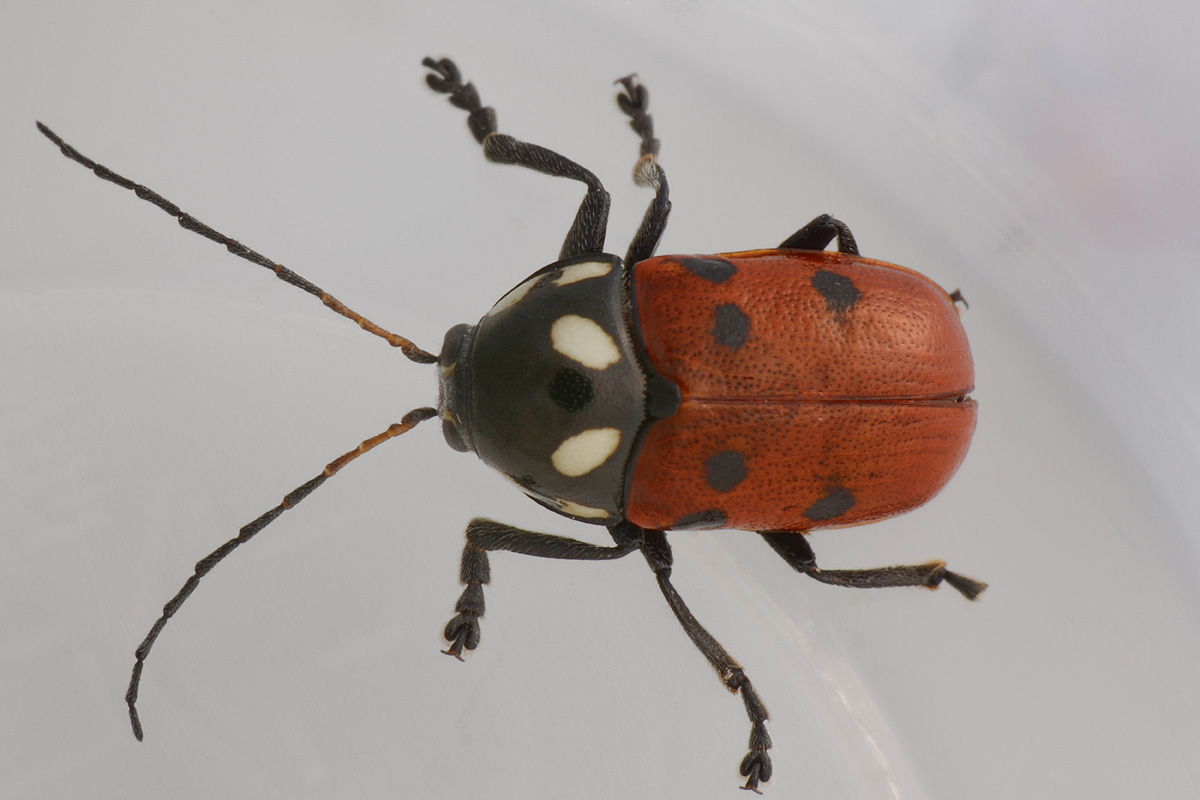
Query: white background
{"type": "Point", "coordinates": [157, 393]}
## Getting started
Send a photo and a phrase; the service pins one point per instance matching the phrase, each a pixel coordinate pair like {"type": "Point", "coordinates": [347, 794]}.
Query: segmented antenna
{"type": "Point", "coordinates": [238, 249]}
{"type": "Point", "coordinates": [206, 564]}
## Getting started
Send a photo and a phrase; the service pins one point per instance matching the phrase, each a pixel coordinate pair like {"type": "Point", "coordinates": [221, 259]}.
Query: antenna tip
{"type": "Point", "coordinates": [49, 134]}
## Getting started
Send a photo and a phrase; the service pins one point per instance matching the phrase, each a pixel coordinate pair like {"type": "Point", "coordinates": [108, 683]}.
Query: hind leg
{"type": "Point", "coordinates": [817, 235]}
{"type": "Point", "coordinates": [793, 546]}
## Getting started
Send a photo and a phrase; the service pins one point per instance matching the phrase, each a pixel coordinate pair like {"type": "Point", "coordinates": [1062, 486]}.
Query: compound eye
{"type": "Point", "coordinates": [571, 390]}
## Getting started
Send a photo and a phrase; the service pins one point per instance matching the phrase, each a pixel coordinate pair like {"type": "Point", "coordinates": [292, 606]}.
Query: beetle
{"type": "Point", "coordinates": [779, 391]}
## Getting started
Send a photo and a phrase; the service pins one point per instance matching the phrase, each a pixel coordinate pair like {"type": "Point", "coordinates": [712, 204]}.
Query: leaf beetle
{"type": "Point", "coordinates": [779, 391]}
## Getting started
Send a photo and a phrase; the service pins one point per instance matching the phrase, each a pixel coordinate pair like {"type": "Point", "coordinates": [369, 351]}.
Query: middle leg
{"type": "Point", "coordinates": [647, 172]}
{"type": "Point", "coordinates": [756, 766]}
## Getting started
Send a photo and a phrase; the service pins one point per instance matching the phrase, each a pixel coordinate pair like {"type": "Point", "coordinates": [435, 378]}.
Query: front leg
{"type": "Point", "coordinates": [483, 535]}
{"type": "Point", "coordinates": [591, 221]}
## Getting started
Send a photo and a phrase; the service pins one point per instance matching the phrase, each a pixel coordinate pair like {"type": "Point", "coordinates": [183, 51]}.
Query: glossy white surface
{"type": "Point", "coordinates": [157, 393]}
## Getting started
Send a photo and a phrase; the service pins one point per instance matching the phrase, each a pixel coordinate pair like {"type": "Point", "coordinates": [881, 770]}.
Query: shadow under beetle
{"type": "Point", "coordinates": [779, 391]}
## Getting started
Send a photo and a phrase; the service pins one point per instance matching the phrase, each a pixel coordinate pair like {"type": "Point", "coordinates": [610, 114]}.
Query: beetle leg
{"type": "Point", "coordinates": [591, 221]}
{"type": "Point", "coordinates": [483, 535]}
{"type": "Point", "coordinates": [756, 766]}
{"type": "Point", "coordinates": [796, 551]}
{"type": "Point", "coordinates": [647, 172]}
{"type": "Point", "coordinates": [817, 235]}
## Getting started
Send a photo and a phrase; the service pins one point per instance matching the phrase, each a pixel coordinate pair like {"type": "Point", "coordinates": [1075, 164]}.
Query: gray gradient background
{"type": "Point", "coordinates": [156, 393]}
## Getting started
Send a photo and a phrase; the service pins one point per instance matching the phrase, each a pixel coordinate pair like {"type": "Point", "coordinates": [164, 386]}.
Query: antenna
{"type": "Point", "coordinates": [238, 249]}
{"type": "Point", "coordinates": [248, 531]}
{"type": "Point", "coordinates": [205, 565]}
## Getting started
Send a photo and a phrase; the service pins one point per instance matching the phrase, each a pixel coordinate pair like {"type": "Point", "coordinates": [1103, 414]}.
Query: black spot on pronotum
{"type": "Point", "coordinates": [714, 270]}
{"type": "Point", "coordinates": [837, 501]}
{"type": "Point", "coordinates": [571, 390]}
{"type": "Point", "coordinates": [731, 327]}
{"type": "Point", "coordinates": [839, 292]}
{"type": "Point", "coordinates": [725, 470]}
{"type": "Point", "coordinates": [708, 520]}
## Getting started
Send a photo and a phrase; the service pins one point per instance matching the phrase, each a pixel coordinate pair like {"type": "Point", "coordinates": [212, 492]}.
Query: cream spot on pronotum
{"type": "Point", "coordinates": [512, 298]}
{"type": "Point", "coordinates": [583, 340]}
{"type": "Point", "coordinates": [581, 272]}
{"type": "Point", "coordinates": [577, 510]}
{"type": "Point", "coordinates": [582, 453]}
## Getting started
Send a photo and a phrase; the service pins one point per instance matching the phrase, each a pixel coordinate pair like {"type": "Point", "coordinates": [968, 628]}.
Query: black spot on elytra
{"type": "Point", "coordinates": [714, 270]}
{"type": "Point", "coordinates": [725, 470]}
{"type": "Point", "coordinates": [571, 390]}
{"type": "Point", "coordinates": [837, 501]}
{"type": "Point", "coordinates": [732, 326]}
{"type": "Point", "coordinates": [708, 520]}
{"type": "Point", "coordinates": [839, 292]}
